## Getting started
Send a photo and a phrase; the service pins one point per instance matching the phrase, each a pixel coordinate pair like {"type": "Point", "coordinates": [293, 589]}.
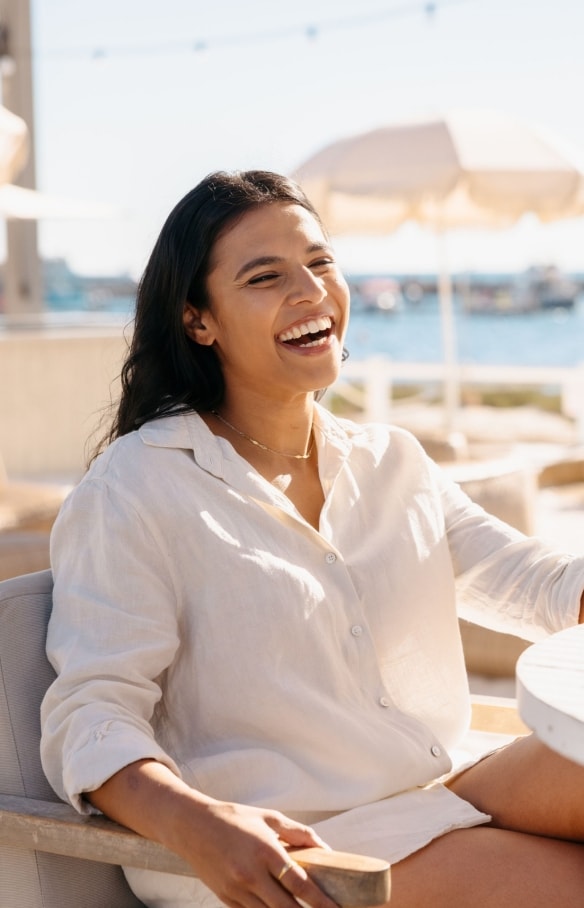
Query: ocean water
{"type": "Point", "coordinates": [414, 334]}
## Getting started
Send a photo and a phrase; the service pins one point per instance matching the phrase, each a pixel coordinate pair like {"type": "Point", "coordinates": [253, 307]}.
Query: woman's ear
{"type": "Point", "coordinates": [194, 326]}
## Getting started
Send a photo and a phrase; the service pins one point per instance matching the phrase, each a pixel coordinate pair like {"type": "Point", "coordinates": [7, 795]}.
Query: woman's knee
{"type": "Point", "coordinates": [527, 787]}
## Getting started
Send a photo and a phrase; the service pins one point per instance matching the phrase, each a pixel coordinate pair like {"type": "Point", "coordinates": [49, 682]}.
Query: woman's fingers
{"type": "Point", "coordinates": [239, 852]}
{"type": "Point", "coordinates": [296, 834]}
{"type": "Point", "coordinates": [288, 866]}
{"type": "Point", "coordinates": [270, 878]}
{"type": "Point", "coordinates": [294, 881]}
{"type": "Point", "coordinates": [290, 876]}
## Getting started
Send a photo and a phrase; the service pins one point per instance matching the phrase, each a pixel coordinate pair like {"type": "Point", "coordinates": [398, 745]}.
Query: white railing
{"type": "Point", "coordinates": [378, 375]}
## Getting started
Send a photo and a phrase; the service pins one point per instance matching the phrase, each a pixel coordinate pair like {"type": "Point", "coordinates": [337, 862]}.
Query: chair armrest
{"type": "Point", "coordinates": [352, 881]}
{"type": "Point", "coordinates": [497, 715]}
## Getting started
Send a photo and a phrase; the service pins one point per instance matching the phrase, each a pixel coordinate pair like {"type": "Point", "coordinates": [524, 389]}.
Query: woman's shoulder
{"type": "Point", "coordinates": [138, 459]}
{"type": "Point", "coordinates": [169, 432]}
{"type": "Point", "coordinates": [368, 434]}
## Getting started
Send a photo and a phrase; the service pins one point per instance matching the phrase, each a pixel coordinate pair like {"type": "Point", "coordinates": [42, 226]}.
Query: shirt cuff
{"type": "Point", "coordinates": [111, 746]}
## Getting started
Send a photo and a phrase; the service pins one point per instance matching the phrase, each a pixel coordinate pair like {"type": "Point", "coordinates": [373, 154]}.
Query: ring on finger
{"type": "Point", "coordinates": [287, 866]}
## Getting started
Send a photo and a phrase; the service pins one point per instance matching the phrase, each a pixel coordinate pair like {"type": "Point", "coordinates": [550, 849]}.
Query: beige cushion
{"type": "Point", "coordinates": [31, 879]}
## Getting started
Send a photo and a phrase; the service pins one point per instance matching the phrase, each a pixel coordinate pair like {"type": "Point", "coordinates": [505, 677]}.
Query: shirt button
{"type": "Point", "coordinates": [356, 630]}
{"type": "Point", "coordinates": [330, 558]}
{"type": "Point", "coordinates": [435, 750]}
{"type": "Point", "coordinates": [383, 701]}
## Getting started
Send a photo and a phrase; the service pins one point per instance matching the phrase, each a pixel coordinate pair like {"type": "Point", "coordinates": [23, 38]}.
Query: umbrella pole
{"type": "Point", "coordinates": [451, 383]}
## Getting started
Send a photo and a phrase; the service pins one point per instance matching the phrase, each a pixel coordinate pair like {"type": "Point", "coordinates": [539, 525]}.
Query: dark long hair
{"type": "Point", "coordinates": [165, 371]}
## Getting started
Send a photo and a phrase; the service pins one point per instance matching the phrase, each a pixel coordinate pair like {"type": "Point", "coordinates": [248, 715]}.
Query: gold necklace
{"type": "Point", "coordinates": [259, 444]}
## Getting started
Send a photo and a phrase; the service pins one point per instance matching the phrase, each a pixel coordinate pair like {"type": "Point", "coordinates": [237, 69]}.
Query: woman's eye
{"type": "Point", "coordinates": [262, 278]}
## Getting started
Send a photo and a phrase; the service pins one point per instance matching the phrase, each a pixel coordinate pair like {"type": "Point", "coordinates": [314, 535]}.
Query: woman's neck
{"type": "Point", "coordinates": [283, 450]}
{"type": "Point", "coordinates": [284, 431]}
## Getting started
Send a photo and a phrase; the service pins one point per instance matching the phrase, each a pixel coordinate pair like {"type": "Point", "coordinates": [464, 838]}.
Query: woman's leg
{"type": "Point", "coordinates": [527, 787]}
{"type": "Point", "coordinates": [530, 856]}
{"type": "Point", "coordinates": [484, 867]}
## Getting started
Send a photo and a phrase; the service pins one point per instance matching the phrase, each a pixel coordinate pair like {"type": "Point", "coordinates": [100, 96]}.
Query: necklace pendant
{"type": "Point", "coordinates": [259, 444]}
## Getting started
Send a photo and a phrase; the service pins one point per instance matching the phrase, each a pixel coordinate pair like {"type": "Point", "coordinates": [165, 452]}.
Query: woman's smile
{"type": "Point", "coordinates": [312, 333]}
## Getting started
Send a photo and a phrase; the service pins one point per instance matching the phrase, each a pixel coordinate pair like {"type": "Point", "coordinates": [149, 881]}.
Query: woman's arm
{"type": "Point", "coordinates": [506, 580]}
{"type": "Point", "coordinates": [237, 851]}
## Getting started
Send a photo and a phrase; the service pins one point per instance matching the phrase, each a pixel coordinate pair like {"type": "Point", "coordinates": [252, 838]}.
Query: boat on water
{"type": "Point", "coordinates": [376, 294]}
{"type": "Point", "coordinates": [538, 288]}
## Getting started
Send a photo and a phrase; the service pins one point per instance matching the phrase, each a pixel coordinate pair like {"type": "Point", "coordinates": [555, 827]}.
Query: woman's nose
{"type": "Point", "coordinates": [307, 287]}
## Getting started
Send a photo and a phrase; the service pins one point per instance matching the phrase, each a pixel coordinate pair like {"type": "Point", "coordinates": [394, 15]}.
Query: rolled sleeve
{"type": "Point", "coordinates": [112, 635]}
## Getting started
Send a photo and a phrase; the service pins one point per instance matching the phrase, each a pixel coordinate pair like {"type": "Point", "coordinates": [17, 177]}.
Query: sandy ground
{"type": "Point", "coordinates": [494, 425]}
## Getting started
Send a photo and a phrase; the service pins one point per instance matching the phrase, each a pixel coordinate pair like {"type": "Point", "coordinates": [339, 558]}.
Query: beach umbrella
{"type": "Point", "coordinates": [22, 276]}
{"type": "Point", "coordinates": [472, 168]}
{"type": "Point", "coordinates": [18, 202]}
{"type": "Point", "coordinates": [13, 145]}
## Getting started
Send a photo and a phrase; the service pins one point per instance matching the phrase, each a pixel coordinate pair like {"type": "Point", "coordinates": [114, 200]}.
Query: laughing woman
{"type": "Point", "coordinates": [255, 605]}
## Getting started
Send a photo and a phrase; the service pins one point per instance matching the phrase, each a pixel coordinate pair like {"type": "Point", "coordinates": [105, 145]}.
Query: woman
{"type": "Point", "coordinates": [255, 620]}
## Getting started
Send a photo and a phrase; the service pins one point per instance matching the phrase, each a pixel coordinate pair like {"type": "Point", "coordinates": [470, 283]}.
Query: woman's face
{"type": "Point", "coordinates": [278, 304]}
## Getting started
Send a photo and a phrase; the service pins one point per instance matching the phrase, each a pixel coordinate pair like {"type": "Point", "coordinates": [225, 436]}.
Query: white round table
{"type": "Point", "coordinates": [550, 691]}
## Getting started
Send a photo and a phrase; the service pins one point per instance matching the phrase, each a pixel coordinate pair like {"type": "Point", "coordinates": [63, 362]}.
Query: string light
{"type": "Point", "coordinates": [310, 32]}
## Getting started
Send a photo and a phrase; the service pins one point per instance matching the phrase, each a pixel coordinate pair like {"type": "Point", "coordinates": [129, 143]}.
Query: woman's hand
{"type": "Point", "coordinates": [237, 851]}
{"type": "Point", "coordinates": [240, 854]}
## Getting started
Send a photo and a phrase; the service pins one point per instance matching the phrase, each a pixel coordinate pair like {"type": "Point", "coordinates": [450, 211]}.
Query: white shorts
{"type": "Point", "coordinates": [390, 829]}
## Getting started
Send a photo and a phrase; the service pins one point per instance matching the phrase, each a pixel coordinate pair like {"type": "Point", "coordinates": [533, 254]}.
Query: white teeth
{"type": "Point", "coordinates": [322, 323]}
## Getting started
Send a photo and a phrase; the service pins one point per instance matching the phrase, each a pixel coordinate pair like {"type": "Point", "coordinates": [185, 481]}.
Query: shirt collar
{"type": "Point", "coordinates": [189, 431]}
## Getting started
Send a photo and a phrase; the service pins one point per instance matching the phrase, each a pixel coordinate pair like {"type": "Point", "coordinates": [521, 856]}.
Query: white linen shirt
{"type": "Point", "coordinates": [200, 620]}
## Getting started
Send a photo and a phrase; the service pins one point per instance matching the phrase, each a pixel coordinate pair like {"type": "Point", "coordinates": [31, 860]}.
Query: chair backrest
{"type": "Point", "coordinates": [30, 879]}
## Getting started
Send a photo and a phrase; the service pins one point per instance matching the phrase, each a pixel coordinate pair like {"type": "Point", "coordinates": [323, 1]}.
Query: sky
{"type": "Point", "coordinates": [136, 100]}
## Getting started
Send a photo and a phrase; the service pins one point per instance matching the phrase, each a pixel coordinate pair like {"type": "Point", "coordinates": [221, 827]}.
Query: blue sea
{"type": "Point", "coordinates": [414, 334]}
